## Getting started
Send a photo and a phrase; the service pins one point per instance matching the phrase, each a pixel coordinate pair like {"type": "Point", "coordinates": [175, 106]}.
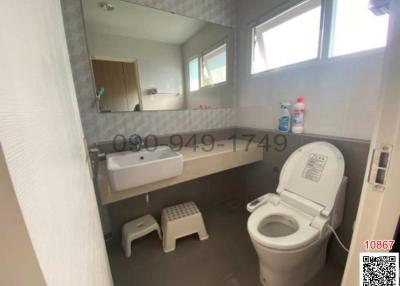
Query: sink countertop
{"type": "Point", "coordinates": [196, 163]}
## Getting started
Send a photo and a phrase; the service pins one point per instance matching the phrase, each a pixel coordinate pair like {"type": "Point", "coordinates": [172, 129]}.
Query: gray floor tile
{"type": "Point", "coordinates": [227, 258]}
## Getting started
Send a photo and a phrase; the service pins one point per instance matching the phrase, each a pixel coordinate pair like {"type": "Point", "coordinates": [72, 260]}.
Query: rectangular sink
{"type": "Point", "coordinates": [132, 169]}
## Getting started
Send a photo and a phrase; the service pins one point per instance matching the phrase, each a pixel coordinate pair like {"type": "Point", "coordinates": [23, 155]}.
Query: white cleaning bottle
{"type": "Point", "coordinates": [284, 118]}
{"type": "Point", "coordinates": [298, 116]}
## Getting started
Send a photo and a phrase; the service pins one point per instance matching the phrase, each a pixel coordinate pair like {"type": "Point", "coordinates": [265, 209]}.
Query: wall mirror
{"type": "Point", "coordinates": [145, 59]}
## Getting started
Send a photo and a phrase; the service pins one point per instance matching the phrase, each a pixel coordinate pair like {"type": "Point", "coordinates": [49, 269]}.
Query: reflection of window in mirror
{"type": "Point", "coordinates": [213, 68]}
{"type": "Point", "coordinates": [194, 82]}
{"type": "Point", "coordinates": [117, 85]}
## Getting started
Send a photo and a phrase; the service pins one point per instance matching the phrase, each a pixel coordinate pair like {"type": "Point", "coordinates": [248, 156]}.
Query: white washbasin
{"type": "Point", "coordinates": [132, 169]}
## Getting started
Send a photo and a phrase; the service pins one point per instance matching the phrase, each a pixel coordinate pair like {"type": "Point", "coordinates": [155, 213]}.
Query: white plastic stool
{"type": "Point", "coordinates": [179, 221]}
{"type": "Point", "coordinates": [136, 229]}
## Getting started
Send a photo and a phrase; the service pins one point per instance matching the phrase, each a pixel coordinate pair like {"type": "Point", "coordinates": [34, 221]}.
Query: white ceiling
{"type": "Point", "coordinates": [141, 22]}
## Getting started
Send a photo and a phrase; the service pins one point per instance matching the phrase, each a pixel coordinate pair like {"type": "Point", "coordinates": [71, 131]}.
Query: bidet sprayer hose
{"type": "Point", "coordinates": [337, 238]}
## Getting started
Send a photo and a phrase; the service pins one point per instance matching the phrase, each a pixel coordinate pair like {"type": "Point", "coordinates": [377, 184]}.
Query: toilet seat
{"type": "Point", "coordinates": [304, 235]}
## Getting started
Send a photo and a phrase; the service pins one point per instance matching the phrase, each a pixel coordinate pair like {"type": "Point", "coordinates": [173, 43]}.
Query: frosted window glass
{"type": "Point", "coordinates": [194, 74]}
{"type": "Point", "coordinates": [289, 38]}
{"type": "Point", "coordinates": [214, 66]}
{"type": "Point", "coordinates": [356, 28]}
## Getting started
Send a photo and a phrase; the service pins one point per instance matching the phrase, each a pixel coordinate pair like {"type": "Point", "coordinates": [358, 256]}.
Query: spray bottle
{"type": "Point", "coordinates": [298, 116]}
{"type": "Point", "coordinates": [284, 118]}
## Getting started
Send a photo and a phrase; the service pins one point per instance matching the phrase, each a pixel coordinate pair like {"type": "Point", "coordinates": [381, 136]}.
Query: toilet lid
{"type": "Point", "coordinates": [314, 172]}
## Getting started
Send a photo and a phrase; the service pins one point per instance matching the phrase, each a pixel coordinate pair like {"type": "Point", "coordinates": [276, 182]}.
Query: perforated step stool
{"type": "Point", "coordinates": [179, 221]}
{"type": "Point", "coordinates": [137, 228]}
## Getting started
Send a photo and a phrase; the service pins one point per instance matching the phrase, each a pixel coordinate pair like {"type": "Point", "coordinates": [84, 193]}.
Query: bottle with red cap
{"type": "Point", "coordinates": [298, 116]}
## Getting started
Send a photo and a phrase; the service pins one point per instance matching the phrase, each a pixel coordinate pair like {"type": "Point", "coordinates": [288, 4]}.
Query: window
{"type": "Point", "coordinates": [288, 38]}
{"type": "Point", "coordinates": [213, 68]}
{"type": "Point", "coordinates": [356, 28]}
{"type": "Point", "coordinates": [212, 71]}
{"type": "Point", "coordinates": [194, 74]}
{"type": "Point", "coordinates": [294, 36]}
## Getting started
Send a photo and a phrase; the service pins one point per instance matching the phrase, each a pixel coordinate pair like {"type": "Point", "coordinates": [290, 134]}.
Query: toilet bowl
{"type": "Point", "coordinates": [289, 228]}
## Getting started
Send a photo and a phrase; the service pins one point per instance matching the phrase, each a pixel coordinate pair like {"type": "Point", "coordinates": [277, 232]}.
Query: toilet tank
{"type": "Point", "coordinates": [338, 209]}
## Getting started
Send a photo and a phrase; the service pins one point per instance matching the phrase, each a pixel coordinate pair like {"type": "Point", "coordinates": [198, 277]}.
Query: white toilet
{"type": "Point", "coordinates": [289, 229]}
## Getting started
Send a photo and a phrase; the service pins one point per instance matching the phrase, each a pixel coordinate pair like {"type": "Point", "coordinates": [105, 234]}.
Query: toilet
{"type": "Point", "coordinates": [290, 228]}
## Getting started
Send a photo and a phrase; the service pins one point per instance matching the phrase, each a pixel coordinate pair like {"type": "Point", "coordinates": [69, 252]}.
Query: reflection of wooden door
{"type": "Point", "coordinates": [131, 84]}
{"type": "Point", "coordinates": [120, 83]}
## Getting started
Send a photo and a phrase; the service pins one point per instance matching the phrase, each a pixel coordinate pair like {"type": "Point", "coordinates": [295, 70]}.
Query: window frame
{"type": "Point", "coordinates": [200, 65]}
{"type": "Point", "coordinates": [291, 9]}
{"type": "Point", "coordinates": [325, 38]}
{"type": "Point", "coordinates": [208, 51]}
{"type": "Point", "coordinates": [329, 54]}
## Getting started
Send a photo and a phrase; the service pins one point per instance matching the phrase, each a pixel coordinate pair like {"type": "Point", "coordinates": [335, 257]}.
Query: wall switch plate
{"type": "Point", "coordinates": [380, 164]}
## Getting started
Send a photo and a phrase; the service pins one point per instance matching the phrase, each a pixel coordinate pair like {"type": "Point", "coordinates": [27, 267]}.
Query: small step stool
{"type": "Point", "coordinates": [179, 221]}
{"type": "Point", "coordinates": [137, 228]}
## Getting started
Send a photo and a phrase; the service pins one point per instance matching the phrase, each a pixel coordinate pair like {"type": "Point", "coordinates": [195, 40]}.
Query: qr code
{"type": "Point", "coordinates": [379, 269]}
